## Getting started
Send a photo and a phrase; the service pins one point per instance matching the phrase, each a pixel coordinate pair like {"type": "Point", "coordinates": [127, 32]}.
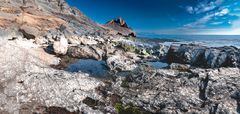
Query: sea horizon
{"type": "Point", "coordinates": [207, 40]}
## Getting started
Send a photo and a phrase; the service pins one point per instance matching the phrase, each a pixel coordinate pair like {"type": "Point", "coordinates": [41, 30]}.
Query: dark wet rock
{"type": "Point", "coordinates": [27, 34]}
{"type": "Point", "coordinates": [65, 62]}
{"type": "Point", "coordinates": [181, 67]}
{"type": "Point", "coordinates": [201, 56]}
{"type": "Point", "coordinates": [161, 51]}
{"type": "Point", "coordinates": [85, 52]}
{"type": "Point", "coordinates": [37, 108]}
{"type": "Point", "coordinates": [59, 110]}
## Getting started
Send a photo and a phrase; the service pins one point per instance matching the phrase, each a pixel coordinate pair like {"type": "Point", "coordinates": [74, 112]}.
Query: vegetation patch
{"type": "Point", "coordinates": [127, 47]}
{"type": "Point", "coordinates": [92, 103]}
{"type": "Point", "coordinates": [129, 109]}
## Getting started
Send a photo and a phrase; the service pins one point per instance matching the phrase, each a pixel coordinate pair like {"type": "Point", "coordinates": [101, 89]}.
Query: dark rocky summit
{"type": "Point", "coordinates": [39, 39]}
{"type": "Point", "coordinates": [119, 26]}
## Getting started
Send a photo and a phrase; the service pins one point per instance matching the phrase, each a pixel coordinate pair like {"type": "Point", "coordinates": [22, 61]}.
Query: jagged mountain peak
{"type": "Point", "coordinates": [120, 26]}
{"type": "Point", "coordinates": [119, 21]}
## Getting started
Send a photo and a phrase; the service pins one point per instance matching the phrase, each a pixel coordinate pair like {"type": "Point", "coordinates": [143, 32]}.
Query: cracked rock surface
{"type": "Point", "coordinates": [198, 91]}
{"type": "Point", "coordinates": [26, 78]}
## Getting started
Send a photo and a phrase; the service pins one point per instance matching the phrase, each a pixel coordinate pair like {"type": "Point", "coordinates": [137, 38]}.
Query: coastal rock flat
{"type": "Point", "coordinates": [27, 80]}
{"type": "Point", "coordinates": [200, 91]}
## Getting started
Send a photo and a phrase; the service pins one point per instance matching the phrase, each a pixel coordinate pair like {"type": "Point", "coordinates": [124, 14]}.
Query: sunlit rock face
{"type": "Point", "coordinates": [119, 26]}
{"type": "Point", "coordinates": [38, 18]}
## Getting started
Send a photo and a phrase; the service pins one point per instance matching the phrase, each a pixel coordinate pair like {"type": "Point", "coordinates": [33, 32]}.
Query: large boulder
{"type": "Point", "coordinates": [181, 67]}
{"type": "Point", "coordinates": [207, 57]}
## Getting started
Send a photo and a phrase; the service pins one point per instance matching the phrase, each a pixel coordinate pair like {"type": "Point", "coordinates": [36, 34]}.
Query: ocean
{"type": "Point", "coordinates": [206, 40]}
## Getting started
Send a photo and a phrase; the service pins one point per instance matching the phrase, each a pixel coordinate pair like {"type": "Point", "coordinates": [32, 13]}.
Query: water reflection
{"type": "Point", "coordinates": [92, 67]}
{"type": "Point", "coordinates": [157, 64]}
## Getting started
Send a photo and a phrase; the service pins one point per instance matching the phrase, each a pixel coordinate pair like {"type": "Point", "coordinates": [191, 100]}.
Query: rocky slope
{"type": "Point", "coordinates": [43, 37]}
{"type": "Point", "coordinates": [35, 18]}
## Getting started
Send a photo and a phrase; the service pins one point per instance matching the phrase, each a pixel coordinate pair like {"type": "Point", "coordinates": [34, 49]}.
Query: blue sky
{"type": "Point", "coordinates": [220, 17]}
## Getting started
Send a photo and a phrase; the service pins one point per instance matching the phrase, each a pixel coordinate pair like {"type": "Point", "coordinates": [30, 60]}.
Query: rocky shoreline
{"type": "Point", "coordinates": [36, 76]}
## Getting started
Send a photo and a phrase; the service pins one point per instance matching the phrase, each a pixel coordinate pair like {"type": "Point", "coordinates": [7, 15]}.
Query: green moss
{"type": "Point", "coordinates": [124, 84]}
{"type": "Point", "coordinates": [127, 47]}
{"type": "Point", "coordinates": [132, 38]}
{"type": "Point", "coordinates": [129, 109]}
{"type": "Point", "coordinates": [119, 108]}
{"type": "Point", "coordinates": [90, 102]}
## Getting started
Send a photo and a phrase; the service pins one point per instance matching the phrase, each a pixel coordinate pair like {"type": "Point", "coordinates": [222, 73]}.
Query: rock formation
{"type": "Point", "coordinates": [198, 91]}
{"type": "Point", "coordinates": [119, 26]}
{"type": "Point", "coordinates": [206, 57]}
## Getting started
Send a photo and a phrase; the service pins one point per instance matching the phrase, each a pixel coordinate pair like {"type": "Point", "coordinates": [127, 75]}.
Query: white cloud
{"type": "Point", "coordinates": [217, 23]}
{"type": "Point", "coordinates": [222, 12]}
{"type": "Point", "coordinates": [204, 6]}
{"type": "Point", "coordinates": [200, 23]}
{"type": "Point", "coordinates": [190, 9]}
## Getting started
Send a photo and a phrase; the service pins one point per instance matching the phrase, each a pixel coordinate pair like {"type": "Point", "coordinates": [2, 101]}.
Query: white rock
{"type": "Point", "coordinates": [88, 41]}
{"type": "Point", "coordinates": [61, 47]}
{"type": "Point", "coordinates": [122, 63]}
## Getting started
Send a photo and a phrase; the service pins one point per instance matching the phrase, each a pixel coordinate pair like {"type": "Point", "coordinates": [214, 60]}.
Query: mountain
{"type": "Point", "coordinates": [119, 26]}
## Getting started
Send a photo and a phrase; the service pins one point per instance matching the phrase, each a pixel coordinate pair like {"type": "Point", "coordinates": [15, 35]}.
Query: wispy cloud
{"type": "Point", "coordinates": [200, 23]}
{"type": "Point", "coordinates": [211, 17]}
{"type": "Point", "coordinates": [204, 6]}
{"type": "Point", "coordinates": [224, 15]}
